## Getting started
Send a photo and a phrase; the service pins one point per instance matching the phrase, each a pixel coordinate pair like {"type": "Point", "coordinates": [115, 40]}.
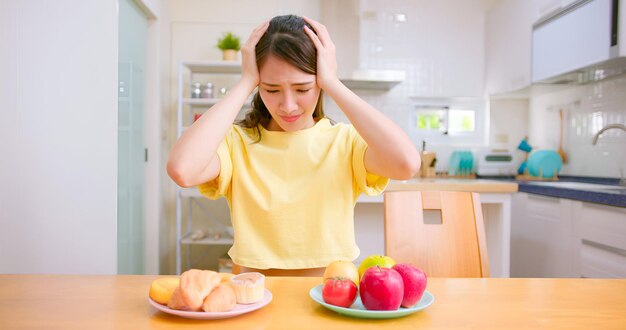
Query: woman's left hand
{"type": "Point", "coordinates": [326, 56]}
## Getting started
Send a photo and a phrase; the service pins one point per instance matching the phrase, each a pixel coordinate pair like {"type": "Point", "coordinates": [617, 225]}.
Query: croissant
{"type": "Point", "coordinates": [195, 285]}
{"type": "Point", "coordinates": [221, 299]}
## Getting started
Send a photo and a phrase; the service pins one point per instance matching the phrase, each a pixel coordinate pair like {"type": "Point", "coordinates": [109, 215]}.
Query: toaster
{"type": "Point", "coordinates": [495, 163]}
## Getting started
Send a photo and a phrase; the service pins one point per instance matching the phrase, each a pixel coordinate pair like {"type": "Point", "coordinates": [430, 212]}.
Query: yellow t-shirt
{"type": "Point", "coordinates": [292, 194]}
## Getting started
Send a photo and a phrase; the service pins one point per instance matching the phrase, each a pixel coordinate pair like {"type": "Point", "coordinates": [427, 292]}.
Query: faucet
{"type": "Point", "coordinates": [604, 129]}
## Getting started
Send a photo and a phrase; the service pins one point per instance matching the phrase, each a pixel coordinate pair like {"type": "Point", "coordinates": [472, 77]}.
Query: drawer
{"type": "Point", "coordinates": [543, 207]}
{"type": "Point", "coordinates": [601, 261]}
{"type": "Point", "coordinates": [605, 225]}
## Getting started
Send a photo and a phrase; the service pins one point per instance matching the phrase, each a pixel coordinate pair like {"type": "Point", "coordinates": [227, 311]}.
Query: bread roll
{"type": "Point", "coordinates": [221, 299]}
{"type": "Point", "coordinates": [162, 289]}
{"type": "Point", "coordinates": [195, 286]}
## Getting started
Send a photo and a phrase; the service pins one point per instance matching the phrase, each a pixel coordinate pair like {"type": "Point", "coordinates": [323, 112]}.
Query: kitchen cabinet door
{"type": "Point", "coordinates": [542, 237]}
{"type": "Point", "coordinates": [601, 233]}
{"type": "Point", "coordinates": [508, 42]}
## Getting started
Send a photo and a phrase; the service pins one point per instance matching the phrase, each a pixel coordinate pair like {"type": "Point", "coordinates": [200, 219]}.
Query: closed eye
{"type": "Point", "coordinates": [302, 91]}
{"type": "Point", "coordinates": [272, 91]}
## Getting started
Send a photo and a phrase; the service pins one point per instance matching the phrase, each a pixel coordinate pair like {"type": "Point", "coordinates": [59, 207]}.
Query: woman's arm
{"type": "Point", "coordinates": [193, 160]}
{"type": "Point", "coordinates": [390, 152]}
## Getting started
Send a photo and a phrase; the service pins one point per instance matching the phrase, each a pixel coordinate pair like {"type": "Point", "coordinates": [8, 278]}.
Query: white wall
{"type": "Point", "coordinates": [441, 48]}
{"type": "Point", "coordinates": [587, 109]}
{"type": "Point", "coordinates": [58, 136]}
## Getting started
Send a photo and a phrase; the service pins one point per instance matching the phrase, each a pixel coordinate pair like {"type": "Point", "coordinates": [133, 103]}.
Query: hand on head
{"type": "Point", "coordinates": [250, 71]}
{"type": "Point", "coordinates": [326, 56]}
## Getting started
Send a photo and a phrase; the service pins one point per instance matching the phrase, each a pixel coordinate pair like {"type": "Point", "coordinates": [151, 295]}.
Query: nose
{"type": "Point", "coordinates": [288, 103]}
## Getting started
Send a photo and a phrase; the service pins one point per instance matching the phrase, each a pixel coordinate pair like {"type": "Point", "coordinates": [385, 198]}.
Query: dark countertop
{"type": "Point", "coordinates": [612, 197]}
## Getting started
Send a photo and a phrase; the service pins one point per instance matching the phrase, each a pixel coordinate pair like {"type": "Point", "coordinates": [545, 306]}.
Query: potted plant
{"type": "Point", "coordinates": [229, 44]}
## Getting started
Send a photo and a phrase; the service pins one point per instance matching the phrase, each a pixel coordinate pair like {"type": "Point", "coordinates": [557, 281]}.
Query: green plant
{"type": "Point", "coordinates": [228, 41]}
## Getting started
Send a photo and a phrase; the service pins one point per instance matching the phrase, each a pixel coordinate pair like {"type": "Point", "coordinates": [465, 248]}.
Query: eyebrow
{"type": "Point", "coordinates": [295, 84]}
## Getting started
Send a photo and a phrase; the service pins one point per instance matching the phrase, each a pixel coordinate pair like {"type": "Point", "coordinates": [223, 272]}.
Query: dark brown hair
{"type": "Point", "coordinates": [285, 39]}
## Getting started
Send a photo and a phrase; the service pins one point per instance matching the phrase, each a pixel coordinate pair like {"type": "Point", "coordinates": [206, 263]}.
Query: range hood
{"type": "Point", "coordinates": [374, 79]}
{"type": "Point", "coordinates": [578, 44]}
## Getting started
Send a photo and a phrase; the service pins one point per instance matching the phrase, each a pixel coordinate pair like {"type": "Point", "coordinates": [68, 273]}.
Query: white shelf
{"type": "Point", "coordinates": [207, 102]}
{"type": "Point", "coordinates": [224, 240]}
{"type": "Point", "coordinates": [211, 102]}
{"type": "Point", "coordinates": [213, 67]}
{"type": "Point", "coordinates": [185, 104]}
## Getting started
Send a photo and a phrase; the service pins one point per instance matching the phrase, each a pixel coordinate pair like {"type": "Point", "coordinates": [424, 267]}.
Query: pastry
{"type": "Point", "coordinates": [195, 285]}
{"type": "Point", "coordinates": [221, 299]}
{"type": "Point", "coordinates": [249, 287]}
{"type": "Point", "coordinates": [162, 289]}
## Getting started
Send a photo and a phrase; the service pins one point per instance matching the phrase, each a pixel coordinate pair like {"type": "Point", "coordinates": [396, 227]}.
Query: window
{"type": "Point", "coordinates": [461, 121]}
{"type": "Point", "coordinates": [446, 121]}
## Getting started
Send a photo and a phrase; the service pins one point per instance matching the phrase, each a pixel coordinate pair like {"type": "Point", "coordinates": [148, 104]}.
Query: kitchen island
{"type": "Point", "coordinates": [495, 198]}
{"type": "Point", "coordinates": [121, 302]}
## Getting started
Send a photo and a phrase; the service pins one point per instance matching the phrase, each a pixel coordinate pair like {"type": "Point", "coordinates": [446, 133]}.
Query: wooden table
{"type": "Point", "coordinates": [120, 302]}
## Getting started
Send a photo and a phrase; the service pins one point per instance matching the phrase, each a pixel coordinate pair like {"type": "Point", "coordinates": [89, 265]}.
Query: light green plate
{"type": "Point", "coordinates": [357, 309]}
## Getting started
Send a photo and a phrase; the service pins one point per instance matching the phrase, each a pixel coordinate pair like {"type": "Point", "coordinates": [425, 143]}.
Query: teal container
{"type": "Point", "coordinates": [544, 163]}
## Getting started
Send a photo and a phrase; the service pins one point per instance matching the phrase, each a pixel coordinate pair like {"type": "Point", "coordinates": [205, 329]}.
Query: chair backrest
{"type": "Point", "coordinates": [441, 232]}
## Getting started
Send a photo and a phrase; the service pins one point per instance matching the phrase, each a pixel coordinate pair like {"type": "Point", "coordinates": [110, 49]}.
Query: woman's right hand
{"type": "Point", "coordinates": [250, 71]}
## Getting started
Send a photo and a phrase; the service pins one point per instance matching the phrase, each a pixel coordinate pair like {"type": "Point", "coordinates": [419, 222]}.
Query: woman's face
{"type": "Point", "coordinates": [289, 94]}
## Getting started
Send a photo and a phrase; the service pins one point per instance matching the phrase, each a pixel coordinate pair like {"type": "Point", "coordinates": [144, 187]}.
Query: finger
{"type": "Point", "coordinates": [316, 41]}
{"type": "Point", "coordinates": [257, 33]}
{"type": "Point", "coordinates": [320, 30]}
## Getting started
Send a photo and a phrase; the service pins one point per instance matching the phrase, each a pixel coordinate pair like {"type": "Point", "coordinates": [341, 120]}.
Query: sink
{"type": "Point", "coordinates": [579, 186]}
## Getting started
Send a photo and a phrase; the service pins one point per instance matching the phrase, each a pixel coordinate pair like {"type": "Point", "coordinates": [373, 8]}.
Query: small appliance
{"type": "Point", "coordinates": [495, 162]}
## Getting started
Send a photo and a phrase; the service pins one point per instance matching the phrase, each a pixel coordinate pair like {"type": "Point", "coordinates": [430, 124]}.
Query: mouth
{"type": "Point", "coordinates": [290, 119]}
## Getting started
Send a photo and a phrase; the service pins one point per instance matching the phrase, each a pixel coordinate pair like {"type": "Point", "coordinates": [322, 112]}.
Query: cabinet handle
{"type": "Point", "coordinates": [609, 248]}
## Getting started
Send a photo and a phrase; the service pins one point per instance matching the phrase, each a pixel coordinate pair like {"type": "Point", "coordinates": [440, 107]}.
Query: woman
{"type": "Point", "coordinates": [290, 176]}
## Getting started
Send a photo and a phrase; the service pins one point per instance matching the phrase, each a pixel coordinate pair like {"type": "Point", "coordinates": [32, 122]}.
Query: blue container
{"type": "Point", "coordinates": [544, 163]}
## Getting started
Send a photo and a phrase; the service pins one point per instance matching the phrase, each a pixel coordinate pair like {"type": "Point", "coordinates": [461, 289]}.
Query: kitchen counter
{"type": "Point", "coordinates": [121, 302]}
{"type": "Point", "coordinates": [495, 199]}
{"type": "Point", "coordinates": [598, 190]}
{"type": "Point", "coordinates": [473, 185]}
{"type": "Point", "coordinates": [445, 184]}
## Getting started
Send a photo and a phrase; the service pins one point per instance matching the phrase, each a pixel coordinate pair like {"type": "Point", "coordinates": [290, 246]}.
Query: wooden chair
{"type": "Point", "coordinates": [451, 246]}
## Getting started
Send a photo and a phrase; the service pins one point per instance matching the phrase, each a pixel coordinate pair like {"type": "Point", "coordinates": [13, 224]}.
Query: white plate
{"type": "Point", "coordinates": [358, 310]}
{"type": "Point", "coordinates": [238, 310]}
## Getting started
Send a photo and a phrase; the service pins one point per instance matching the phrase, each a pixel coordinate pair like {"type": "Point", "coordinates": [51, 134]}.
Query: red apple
{"type": "Point", "coordinates": [381, 289]}
{"type": "Point", "coordinates": [414, 280]}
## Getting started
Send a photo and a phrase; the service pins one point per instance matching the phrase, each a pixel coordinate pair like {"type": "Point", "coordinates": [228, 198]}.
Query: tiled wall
{"type": "Point", "coordinates": [443, 62]}
{"type": "Point", "coordinates": [587, 109]}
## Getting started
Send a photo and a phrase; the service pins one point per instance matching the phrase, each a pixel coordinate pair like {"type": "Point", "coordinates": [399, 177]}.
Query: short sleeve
{"type": "Point", "coordinates": [369, 183]}
{"type": "Point", "coordinates": [220, 186]}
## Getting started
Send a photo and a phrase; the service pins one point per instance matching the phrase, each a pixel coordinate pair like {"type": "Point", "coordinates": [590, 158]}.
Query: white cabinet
{"type": "Point", "coordinates": [508, 46]}
{"type": "Point", "coordinates": [508, 40]}
{"type": "Point", "coordinates": [557, 237]}
{"type": "Point", "coordinates": [542, 237]}
{"type": "Point", "coordinates": [222, 74]}
{"type": "Point", "coordinates": [602, 240]}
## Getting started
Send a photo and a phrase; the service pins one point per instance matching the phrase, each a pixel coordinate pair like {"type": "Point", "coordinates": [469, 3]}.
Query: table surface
{"type": "Point", "coordinates": [121, 302]}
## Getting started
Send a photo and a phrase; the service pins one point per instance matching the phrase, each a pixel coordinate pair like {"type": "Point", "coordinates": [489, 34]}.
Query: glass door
{"type": "Point", "coordinates": [132, 153]}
